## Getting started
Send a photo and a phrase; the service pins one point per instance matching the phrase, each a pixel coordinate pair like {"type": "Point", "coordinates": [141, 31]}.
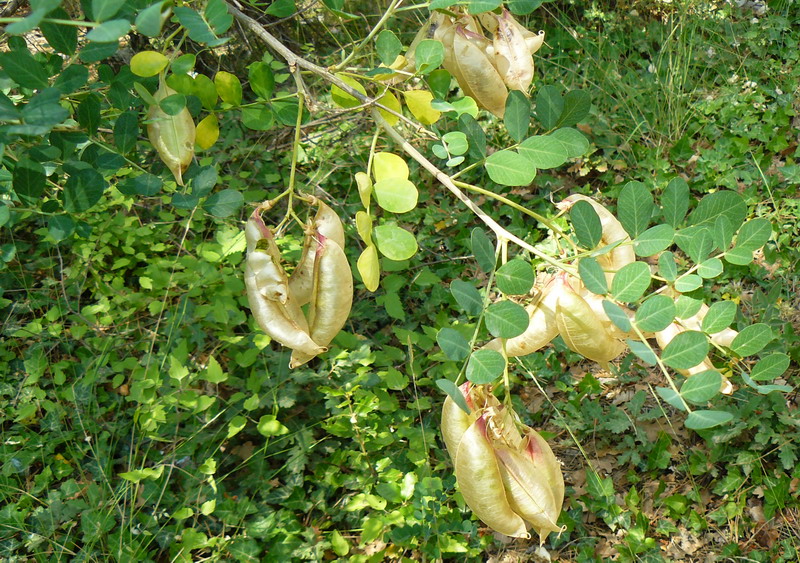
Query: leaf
{"type": "Point", "coordinates": [109, 31]}
{"type": "Point", "coordinates": [688, 283]}
{"type": "Point", "coordinates": [62, 38]}
{"type": "Point", "coordinates": [146, 473]}
{"type": "Point", "coordinates": [515, 277]}
{"type": "Point", "coordinates": [482, 249]}
{"type": "Point", "coordinates": [390, 101]}
{"type": "Point", "coordinates": [667, 268]}
{"type": "Point", "coordinates": [148, 63]}
{"type": "Point", "coordinates": [522, 7]}
{"type": "Point", "coordinates": [44, 109]}
{"type": "Point", "coordinates": [723, 203]}
{"type": "Point", "coordinates": [543, 151]}
{"type": "Point", "coordinates": [60, 227]}
{"type": "Point", "coordinates": [719, 316]}
{"type": "Point", "coordinates": [485, 366]}
{"type": "Point", "coordinates": [104, 9]}
{"type": "Point", "coordinates": [197, 27]}
{"type": "Point", "coordinates": [710, 268]}
{"type": "Point", "coordinates": [428, 55]}
{"type": "Point", "coordinates": [83, 189]}
{"type": "Point", "coordinates": [480, 6]}
{"type": "Point", "coordinates": [207, 132]}
{"type": "Point", "coordinates": [592, 275]}
{"type": "Point", "coordinates": [508, 168]}
{"type": "Point", "coordinates": [454, 393]}
{"type": "Point", "coordinates": [419, 104]}
{"type": "Point", "coordinates": [703, 419]}
{"type": "Point", "coordinates": [229, 88]}
{"type": "Point", "coordinates": [577, 104]}
{"type": "Point", "coordinates": [517, 117]}
{"type": "Point", "coordinates": [686, 350]}
{"type": "Point", "coordinates": [203, 180]}
{"type": "Point", "coordinates": [396, 195]}
{"type": "Point", "coordinates": [635, 208]}
{"type": "Point", "coordinates": [257, 118]}
{"type": "Point", "coordinates": [146, 185]}
{"type": "Point", "coordinates": [671, 397]}
{"type": "Point", "coordinates": [630, 282]}
{"type": "Point", "coordinates": [213, 372]}
{"type": "Point", "coordinates": [770, 367]}
{"type": "Point", "coordinates": [281, 8]}
{"type": "Point", "coordinates": [572, 141]}
{"type": "Point", "coordinates": [656, 313]}
{"type": "Point", "coordinates": [549, 106]}
{"type": "Point", "coordinates": [126, 131]}
{"type": "Point", "coordinates": [686, 306]}
{"type": "Point", "coordinates": [206, 91]}
{"type": "Point", "coordinates": [654, 240]}
{"type": "Point", "coordinates": [506, 319]}
{"type": "Point", "coordinates": [23, 69]}
{"type": "Point", "coordinates": [454, 346]}
{"type": "Point", "coordinates": [395, 242]}
{"type": "Point", "coordinates": [475, 136]}
{"type": "Point", "coordinates": [71, 79]}
{"type": "Point", "coordinates": [586, 223]}
{"type": "Point", "coordinates": [739, 256]}
{"type": "Point", "coordinates": [364, 185]}
{"type": "Point", "coordinates": [369, 267]}
{"type": "Point", "coordinates": [467, 297]}
{"type": "Point", "coordinates": [148, 21]}
{"type": "Point", "coordinates": [387, 166]}
{"type": "Point", "coordinates": [702, 387]}
{"type": "Point", "coordinates": [268, 426]}
{"type": "Point", "coordinates": [675, 201]}
{"type": "Point", "coordinates": [262, 79]}
{"type": "Point", "coordinates": [723, 232]}
{"type": "Point", "coordinates": [224, 203]}
{"type": "Point", "coordinates": [218, 17]}
{"type": "Point", "coordinates": [696, 242]}
{"type": "Point", "coordinates": [754, 234]}
{"type": "Point", "coordinates": [617, 315]}
{"type": "Point", "coordinates": [93, 52]}
{"type": "Point", "coordinates": [752, 339]}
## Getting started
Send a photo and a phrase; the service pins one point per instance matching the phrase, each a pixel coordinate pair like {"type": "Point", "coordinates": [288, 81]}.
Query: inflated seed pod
{"type": "Point", "coordinates": [581, 330]}
{"type": "Point", "coordinates": [512, 57]}
{"type": "Point", "coordinates": [264, 258]}
{"type": "Point", "coordinates": [475, 73]}
{"type": "Point", "coordinates": [331, 297]}
{"type": "Point", "coordinates": [171, 135]}
{"type": "Point", "coordinates": [327, 223]}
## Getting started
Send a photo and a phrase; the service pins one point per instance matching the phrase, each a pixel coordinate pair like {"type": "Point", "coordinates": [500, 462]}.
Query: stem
{"type": "Point", "coordinates": [296, 145]}
{"type": "Point", "coordinates": [389, 13]}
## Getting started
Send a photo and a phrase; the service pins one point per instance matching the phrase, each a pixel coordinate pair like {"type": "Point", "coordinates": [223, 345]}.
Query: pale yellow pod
{"type": "Point", "coordinates": [171, 135]}
{"type": "Point", "coordinates": [327, 223]}
{"type": "Point", "coordinates": [455, 422]}
{"type": "Point", "coordinates": [512, 57]}
{"type": "Point", "coordinates": [481, 484]}
{"type": "Point", "coordinates": [582, 331]}
{"type": "Point", "coordinates": [543, 458]}
{"type": "Point", "coordinates": [476, 74]}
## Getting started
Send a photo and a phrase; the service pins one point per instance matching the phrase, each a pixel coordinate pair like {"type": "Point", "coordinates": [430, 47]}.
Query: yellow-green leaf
{"type": "Point", "coordinates": [207, 132]}
{"type": "Point", "coordinates": [387, 165]}
{"type": "Point", "coordinates": [419, 103]}
{"type": "Point", "coordinates": [148, 63]}
{"type": "Point", "coordinates": [228, 87]}
{"type": "Point", "coordinates": [364, 188]}
{"type": "Point", "coordinates": [342, 98]}
{"type": "Point", "coordinates": [370, 268]}
{"type": "Point", "coordinates": [390, 101]}
{"type": "Point", "coordinates": [364, 226]}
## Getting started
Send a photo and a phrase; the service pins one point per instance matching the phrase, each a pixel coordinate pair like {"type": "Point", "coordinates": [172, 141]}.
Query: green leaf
{"type": "Point", "coordinates": [667, 268]}
{"type": "Point", "coordinates": [508, 168]}
{"type": "Point", "coordinates": [754, 234]}
{"type": "Point", "coordinates": [696, 242]}
{"type": "Point", "coordinates": [28, 181]}
{"type": "Point", "coordinates": [480, 6]}
{"type": "Point", "coordinates": [752, 339]}
{"type": "Point", "coordinates": [126, 131]}
{"type": "Point", "coordinates": [23, 69]}
{"type": "Point", "coordinates": [71, 79]}
{"type": "Point", "coordinates": [475, 135]}
{"type": "Point", "coordinates": [173, 104]}
{"type": "Point", "coordinates": [148, 21]}
{"type": "Point", "coordinates": [196, 26]}
{"type": "Point", "coordinates": [147, 473]}
{"type": "Point", "coordinates": [654, 240]}
{"type": "Point", "coordinates": [213, 372]}
{"type": "Point", "coordinates": [109, 31]}
{"type": "Point", "coordinates": [686, 350]}
{"type": "Point", "coordinates": [686, 306]}
{"type": "Point", "coordinates": [60, 227]}
{"type": "Point", "coordinates": [739, 256]}
{"type": "Point", "coordinates": [592, 275]}
{"type": "Point", "coordinates": [630, 282]}
{"type": "Point", "coordinates": [671, 397]}
{"type": "Point", "coordinates": [146, 185]}
{"type": "Point", "coordinates": [719, 316]}
{"type": "Point", "coordinates": [688, 283]}
{"type": "Point", "coordinates": [723, 232]}
{"type": "Point", "coordinates": [635, 208]}
{"type": "Point", "coordinates": [224, 203]}
{"type": "Point", "coordinates": [229, 87]}
{"type": "Point", "coordinates": [183, 64]}
{"type": "Point", "coordinates": [281, 8]}
{"type": "Point", "coordinates": [27, 23]}
{"type": "Point", "coordinates": [703, 419]}
{"type": "Point", "coordinates": [203, 180]}
{"type": "Point", "coordinates": [543, 151]}
{"type": "Point", "coordinates": [44, 109]}
{"type": "Point", "coordinates": [467, 297]}
{"type": "Point", "coordinates": [572, 141]}
{"type": "Point", "coordinates": [205, 90]}
{"type": "Point", "coordinates": [522, 7]}
{"type": "Point", "coordinates": [506, 319]}
{"type": "Point", "coordinates": [710, 268]}
{"type": "Point", "coordinates": [549, 106]}
{"type": "Point", "coordinates": [88, 113]}
{"type": "Point", "coordinates": [62, 38]}
{"type": "Point", "coordinates": [724, 203]}
{"type": "Point", "coordinates": [454, 346]}
{"type": "Point", "coordinates": [218, 17]}
{"type": "Point", "coordinates": [482, 249]}
{"type": "Point", "coordinates": [587, 225]}
{"type": "Point", "coordinates": [428, 55]}
{"type": "Point", "coordinates": [396, 195]}
{"type": "Point", "coordinates": [83, 190]}
{"type": "Point", "coordinates": [675, 201]}
{"type": "Point", "coordinates": [394, 242]}
{"type": "Point", "coordinates": [104, 9]}
{"type": "Point", "coordinates": [388, 46]}
{"type": "Point", "coordinates": [617, 315]}
{"type": "Point", "coordinates": [656, 313]}
{"type": "Point", "coordinates": [454, 393]}
{"type": "Point", "coordinates": [577, 104]}
{"type": "Point", "coordinates": [262, 79]}
{"type": "Point", "coordinates": [517, 117]}
{"type": "Point", "coordinates": [258, 118]}
{"type": "Point", "coordinates": [770, 367]}
{"type": "Point", "coordinates": [485, 366]}
{"type": "Point", "coordinates": [93, 52]}
{"type": "Point", "coordinates": [345, 99]}
{"type": "Point", "coordinates": [702, 387]}
{"type": "Point", "coordinates": [515, 277]}
{"type": "Point", "coordinates": [268, 426]}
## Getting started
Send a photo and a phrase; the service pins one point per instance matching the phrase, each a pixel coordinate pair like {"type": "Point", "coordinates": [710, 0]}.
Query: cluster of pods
{"type": "Point", "coordinates": [506, 471]}
{"type": "Point", "coordinates": [321, 279]}
{"type": "Point", "coordinates": [485, 68]}
{"type": "Point", "coordinates": [172, 135]}
{"type": "Point", "coordinates": [562, 305]}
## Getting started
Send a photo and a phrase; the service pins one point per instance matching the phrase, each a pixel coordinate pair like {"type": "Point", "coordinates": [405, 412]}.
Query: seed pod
{"type": "Point", "coordinates": [475, 73]}
{"type": "Point", "coordinates": [582, 331]}
{"type": "Point", "coordinates": [171, 135]}
{"type": "Point", "coordinates": [327, 223]}
{"type": "Point", "coordinates": [331, 297]}
{"type": "Point", "coordinates": [512, 57]}
{"type": "Point", "coordinates": [264, 258]}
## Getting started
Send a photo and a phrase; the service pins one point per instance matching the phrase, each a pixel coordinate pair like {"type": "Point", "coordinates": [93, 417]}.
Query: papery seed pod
{"type": "Point", "coordinates": [596, 303]}
{"type": "Point", "coordinates": [264, 258]}
{"type": "Point", "coordinates": [475, 73]}
{"type": "Point", "coordinates": [512, 57]}
{"type": "Point", "coordinates": [171, 135]}
{"type": "Point", "coordinates": [481, 483]}
{"type": "Point", "coordinates": [613, 232]}
{"type": "Point", "coordinates": [327, 223]}
{"type": "Point", "coordinates": [581, 330]}
{"type": "Point", "coordinates": [331, 298]}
